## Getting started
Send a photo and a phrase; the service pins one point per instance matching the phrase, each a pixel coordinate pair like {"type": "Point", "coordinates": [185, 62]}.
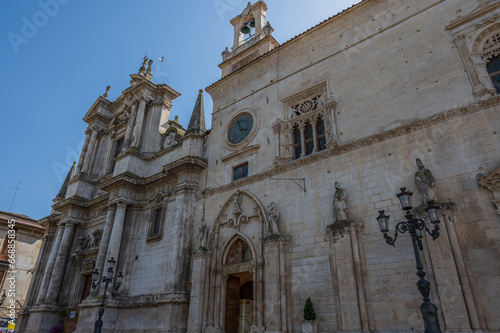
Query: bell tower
{"type": "Point", "coordinates": [252, 38]}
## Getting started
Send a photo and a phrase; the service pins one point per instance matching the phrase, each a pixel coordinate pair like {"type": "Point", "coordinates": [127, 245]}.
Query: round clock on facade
{"type": "Point", "coordinates": [240, 128]}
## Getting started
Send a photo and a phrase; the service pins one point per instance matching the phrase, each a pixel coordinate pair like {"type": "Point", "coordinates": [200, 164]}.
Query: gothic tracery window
{"type": "Point", "coordinates": [307, 125]}
{"type": "Point", "coordinates": [493, 67]}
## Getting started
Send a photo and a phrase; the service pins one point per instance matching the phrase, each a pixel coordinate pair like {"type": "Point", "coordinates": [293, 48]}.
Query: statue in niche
{"type": "Point", "coordinates": [339, 206]}
{"type": "Point", "coordinates": [203, 235]}
{"type": "Point", "coordinates": [272, 220]}
{"type": "Point", "coordinates": [425, 183]}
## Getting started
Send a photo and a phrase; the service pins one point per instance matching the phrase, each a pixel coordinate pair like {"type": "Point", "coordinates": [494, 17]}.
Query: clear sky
{"type": "Point", "coordinates": [58, 56]}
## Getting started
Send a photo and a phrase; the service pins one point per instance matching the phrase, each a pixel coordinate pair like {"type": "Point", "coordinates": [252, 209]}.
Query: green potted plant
{"type": "Point", "coordinates": [309, 324]}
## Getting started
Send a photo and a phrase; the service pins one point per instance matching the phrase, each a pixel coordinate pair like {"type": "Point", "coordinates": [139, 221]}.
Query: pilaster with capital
{"type": "Point", "coordinates": [90, 151]}
{"type": "Point", "coordinates": [84, 151]}
{"type": "Point", "coordinates": [130, 128]}
{"type": "Point", "coordinates": [136, 136]}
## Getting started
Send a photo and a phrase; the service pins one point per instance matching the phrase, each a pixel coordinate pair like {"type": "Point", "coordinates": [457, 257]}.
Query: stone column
{"type": "Point", "coordinates": [115, 239]}
{"type": "Point", "coordinates": [302, 129]}
{"type": "Point", "coordinates": [103, 247]}
{"type": "Point", "coordinates": [84, 152]}
{"type": "Point", "coordinates": [60, 264]}
{"type": "Point", "coordinates": [197, 298]}
{"type": "Point", "coordinates": [136, 137]}
{"type": "Point", "coordinates": [39, 271]}
{"type": "Point", "coordinates": [50, 266]}
{"type": "Point", "coordinates": [90, 151]}
{"type": "Point", "coordinates": [315, 136]}
{"type": "Point", "coordinates": [130, 128]}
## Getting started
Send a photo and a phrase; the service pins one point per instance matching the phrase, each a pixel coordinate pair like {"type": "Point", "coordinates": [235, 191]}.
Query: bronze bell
{"type": "Point", "coordinates": [252, 24]}
{"type": "Point", "coordinates": [245, 29]}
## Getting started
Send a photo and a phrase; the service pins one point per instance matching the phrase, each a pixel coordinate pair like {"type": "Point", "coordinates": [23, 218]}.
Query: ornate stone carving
{"type": "Point", "coordinates": [239, 253]}
{"type": "Point", "coordinates": [339, 206]}
{"type": "Point", "coordinates": [425, 183]}
{"type": "Point", "coordinates": [240, 208]}
{"type": "Point", "coordinates": [170, 139]}
{"type": "Point", "coordinates": [492, 183]}
{"type": "Point", "coordinates": [88, 264]}
{"type": "Point", "coordinates": [90, 241]}
{"type": "Point", "coordinates": [272, 220]}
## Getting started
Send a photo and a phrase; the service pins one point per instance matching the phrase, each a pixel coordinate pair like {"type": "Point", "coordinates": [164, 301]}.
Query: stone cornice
{"type": "Point", "coordinates": [357, 144]}
{"type": "Point", "coordinates": [188, 161]}
{"type": "Point", "coordinates": [476, 13]}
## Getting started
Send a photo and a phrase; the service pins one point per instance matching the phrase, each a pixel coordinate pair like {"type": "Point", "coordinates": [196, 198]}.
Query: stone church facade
{"type": "Point", "coordinates": [232, 229]}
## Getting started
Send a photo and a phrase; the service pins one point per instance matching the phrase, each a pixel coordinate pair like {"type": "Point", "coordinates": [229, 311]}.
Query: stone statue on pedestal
{"type": "Point", "coordinates": [425, 183]}
{"type": "Point", "coordinates": [339, 206]}
{"type": "Point", "coordinates": [272, 220]}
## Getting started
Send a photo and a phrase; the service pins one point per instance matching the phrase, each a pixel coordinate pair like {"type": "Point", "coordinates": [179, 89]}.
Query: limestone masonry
{"type": "Point", "coordinates": [232, 229]}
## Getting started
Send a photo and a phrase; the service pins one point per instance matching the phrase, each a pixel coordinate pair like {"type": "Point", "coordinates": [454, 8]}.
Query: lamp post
{"type": "Point", "coordinates": [106, 280]}
{"type": "Point", "coordinates": [415, 226]}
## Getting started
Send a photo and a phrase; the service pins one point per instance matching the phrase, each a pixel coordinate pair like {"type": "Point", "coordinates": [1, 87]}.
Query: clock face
{"type": "Point", "coordinates": [240, 128]}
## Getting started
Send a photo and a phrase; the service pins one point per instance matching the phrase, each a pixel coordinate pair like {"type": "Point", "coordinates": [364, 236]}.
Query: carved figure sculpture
{"type": "Point", "coordinates": [203, 235]}
{"type": "Point", "coordinates": [272, 220]}
{"type": "Point", "coordinates": [171, 139]}
{"type": "Point", "coordinates": [425, 183]}
{"type": "Point", "coordinates": [339, 206]}
{"type": "Point", "coordinates": [237, 205]}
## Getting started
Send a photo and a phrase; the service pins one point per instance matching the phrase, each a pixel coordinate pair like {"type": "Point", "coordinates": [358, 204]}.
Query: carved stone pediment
{"type": "Point", "coordinates": [241, 208]}
{"type": "Point", "coordinates": [237, 214]}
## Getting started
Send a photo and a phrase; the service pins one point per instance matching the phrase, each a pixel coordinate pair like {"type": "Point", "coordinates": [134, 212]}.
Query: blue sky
{"type": "Point", "coordinates": [58, 56]}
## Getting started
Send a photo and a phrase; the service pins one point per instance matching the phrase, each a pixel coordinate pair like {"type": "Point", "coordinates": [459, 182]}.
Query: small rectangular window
{"type": "Point", "coordinates": [156, 223]}
{"type": "Point", "coordinates": [240, 171]}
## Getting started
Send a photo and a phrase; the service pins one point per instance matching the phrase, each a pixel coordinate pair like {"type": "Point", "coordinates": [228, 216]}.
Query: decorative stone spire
{"type": "Point", "coordinates": [197, 122]}
{"type": "Point", "coordinates": [64, 187]}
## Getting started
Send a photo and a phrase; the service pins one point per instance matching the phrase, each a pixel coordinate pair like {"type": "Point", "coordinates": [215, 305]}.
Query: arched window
{"type": "Point", "coordinates": [320, 130]}
{"type": "Point", "coordinates": [297, 142]}
{"type": "Point", "coordinates": [493, 67]}
{"type": "Point", "coordinates": [309, 139]}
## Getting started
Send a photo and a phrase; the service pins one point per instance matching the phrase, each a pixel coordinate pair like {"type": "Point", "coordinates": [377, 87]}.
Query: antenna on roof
{"type": "Point", "coordinates": [15, 192]}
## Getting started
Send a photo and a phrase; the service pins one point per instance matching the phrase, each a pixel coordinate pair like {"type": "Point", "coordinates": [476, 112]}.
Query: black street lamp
{"type": "Point", "coordinates": [3, 298]}
{"type": "Point", "coordinates": [107, 280]}
{"type": "Point", "coordinates": [415, 226]}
